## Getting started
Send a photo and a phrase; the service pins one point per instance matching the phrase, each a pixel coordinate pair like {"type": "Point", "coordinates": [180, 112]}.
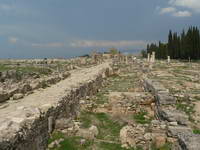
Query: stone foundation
{"type": "Point", "coordinates": [167, 112]}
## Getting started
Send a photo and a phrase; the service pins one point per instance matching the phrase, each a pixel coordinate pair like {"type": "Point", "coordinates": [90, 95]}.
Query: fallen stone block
{"type": "Point", "coordinates": [189, 141]}
{"type": "Point", "coordinates": [173, 115]}
{"type": "Point", "coordinates": [175, 131]}
{"type": "Point", "coordinates": [153, 86]}
{"type": "Point", "coordinates": [157, 87]}
{"type": "Point", "coordinates": [164, 98]}
{"type": "Point", "coordinates": [18, 96]}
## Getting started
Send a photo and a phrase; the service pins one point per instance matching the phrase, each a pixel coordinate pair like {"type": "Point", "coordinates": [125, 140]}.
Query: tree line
{"type": "Point", "coordinates": [179, 46]}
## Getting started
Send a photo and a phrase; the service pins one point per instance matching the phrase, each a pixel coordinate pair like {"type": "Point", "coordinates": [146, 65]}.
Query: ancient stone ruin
{"type": "Point", "coordinates": [99, 102]}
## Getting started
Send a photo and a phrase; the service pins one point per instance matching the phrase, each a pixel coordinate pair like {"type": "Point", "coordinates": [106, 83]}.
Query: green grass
{"type": "Point", "coordinates": [55, 136]}
{"type": "Point", "coordinates": [196, 131]}
{"type": "Point", "coordinates": [186, 108]}
{"type": "Point", "coordinates": [3, 68]}
{"type": "Point", "coordinates": [44, 84]}
{"type": "Point", "coordinates": [121, 84]}
{"type": "Point", "coordinates": [197, 98]}
{"type": "Point", "coordinates": [69, 143]}
{"type": "Point", "coordinates": [31, 69]}
{"type": "Point", "coordinates": [167, 146]}
{"type": "Point", "coordinates": [113, 146]}
{"type": "Point", "coordinates": [26, 69]}
{"type": "Point", "coordinates": [86, 119]}
{"type": "Point", "coordinates": [101, 97]}
{"type": "Point", "coordinates": [140, 118]}
{"type": "Point", "coordinates": [109, 129]}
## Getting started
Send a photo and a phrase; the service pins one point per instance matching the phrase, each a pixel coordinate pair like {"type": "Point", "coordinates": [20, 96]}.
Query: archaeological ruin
{"type": "Point", "coordinates": [102, 102]}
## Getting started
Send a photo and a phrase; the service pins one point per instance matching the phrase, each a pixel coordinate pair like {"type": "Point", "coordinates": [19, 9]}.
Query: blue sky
{"type": "Point", "coordinates": [66, 28]}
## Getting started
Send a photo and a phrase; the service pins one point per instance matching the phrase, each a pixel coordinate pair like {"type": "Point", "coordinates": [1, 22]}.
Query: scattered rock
{"type": "Point", "coordinates": [127, 136]}
{"type": "Point", "coordinates": [18, 96]}
{"type": "Point", "coordinates": [173, 123]}
{"type": "Point", "coordinates": [94, 130]}
{"type": "Point", "coordinates": [82, 141]}
{"type": "Point", "coordinates": [173, 115]}
{"type": "Point", "coordinates": [175, 131]}
{"type": "Point", "coordinates": [62, 123]}
{"type": "Point", "coordinates": [148, 136]}
{"type": "Point", "coordinates": [85, 133]}
{"type": "Point", "coordinates": [159, 141]}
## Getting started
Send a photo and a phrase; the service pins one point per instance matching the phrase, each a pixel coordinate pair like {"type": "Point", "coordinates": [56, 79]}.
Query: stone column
{"type": "Point", "coordinates": [168, 59]}
{"type": "Point", "coordinates": [153, 57]}
{"type": "Point", "coordinates": [126, 60]}
{"type": "Point", "coordinates": [148, 57]}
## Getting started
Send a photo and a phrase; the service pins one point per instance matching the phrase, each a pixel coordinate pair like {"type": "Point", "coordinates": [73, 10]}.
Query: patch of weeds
{"type": "Point", "coordinates": [44, 84]}
{"type": "Point", "coordinates": [108, 128]}
{"type": "Point", "coordinates": [174, 91]}
{"type": "Point", "coordinates": [55, 136]}
{"type": "Point", "coordinates": [160, 66]}
{"type": "Point", "coordinates": [180, 82]}
{"type": "Point", "coordinates": [197, 98]}
{"type": "Point", "coordinates": [18, 75]}
{"type": "Point", "coordinates": [191, 119]}
{"type": "Point", "coordinates": [31, 69]}
{"type": "Point", "coordinates": [167, 146]}
{"type": "Point", "coordinates": [196, 131]}
{"type": "Point", "coordinates": [4, 68]}
{"type": "Point", "coordinates": [101, 98]}
{"type": "Point", "coordinates": [113, 146]}
{"type": "Point", "coordinates": [121, 84]}
{"type": "Point", "coordinates": [186, 108]}
{"type": "Point", "coordinates": [69, 143]}
{"type": "Point", "coordinates": [140, 118]}
{"type": "Point", "coordinates": [26, 69]}
{"type": "Point", "coordinates": [86, 119]}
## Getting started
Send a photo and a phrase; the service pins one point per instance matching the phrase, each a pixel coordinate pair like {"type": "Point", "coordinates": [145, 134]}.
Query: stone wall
{"type": "Point", "coordinates": [178, 121]}
{"type": "Point", "coordinates": [29, 127]}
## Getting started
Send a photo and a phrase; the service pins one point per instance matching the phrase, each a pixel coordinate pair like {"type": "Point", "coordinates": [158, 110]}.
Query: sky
{"type": "Point", "coordinates": [68, 28]}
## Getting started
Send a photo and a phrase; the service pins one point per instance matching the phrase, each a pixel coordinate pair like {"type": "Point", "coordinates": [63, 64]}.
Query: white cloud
{"type": "Point", "coordinates": [191, 4]}
{"type": "Point", "coordinates": [12, 40]}
{"type": "Point", "coordinates": [167, 10]}
{"type": "Point", "coordinates": [15, 40]}
{"type": "Point", "coordinates": [48, 45]}
{"type": "Point", "coordinates": [6, 7]}
{"type": "Point", "coordinates": [139, 44]}
{"type": "Point", "coordinates": [103, 44]}
{"type": "Point", "coordinates": [182, 14]}
{"type": "Point", "coordinates": [181, 8]}
{"type": "Point", "coordinates": [12, 9]}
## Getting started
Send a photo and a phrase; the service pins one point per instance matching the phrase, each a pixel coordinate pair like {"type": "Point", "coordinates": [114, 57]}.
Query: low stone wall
{"type": "Point", "coordinates": [28, 125]}
{"type": "Point", "coordinates": [166, 111]}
